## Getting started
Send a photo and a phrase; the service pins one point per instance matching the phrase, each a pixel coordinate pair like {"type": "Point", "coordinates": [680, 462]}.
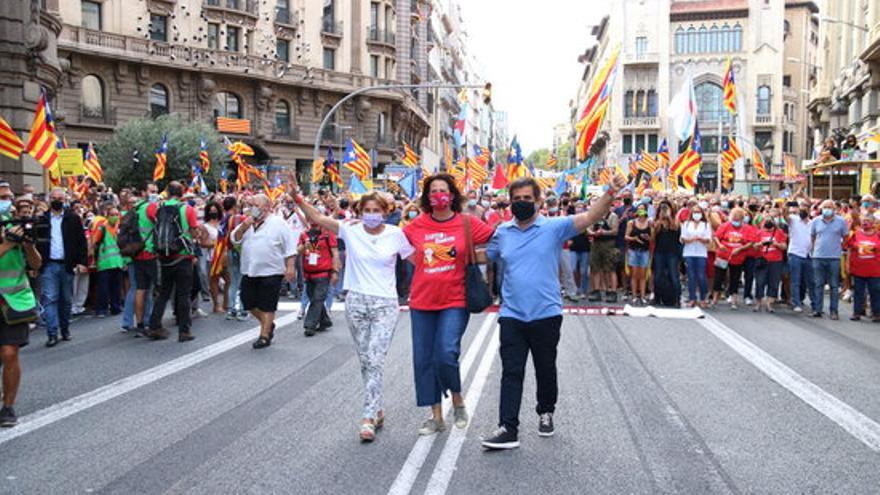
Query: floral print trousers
{"type": "Point", "coordinates": [371, 320]}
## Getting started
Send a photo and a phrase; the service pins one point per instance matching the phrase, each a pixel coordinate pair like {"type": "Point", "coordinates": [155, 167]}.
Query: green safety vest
{"type": "Point", "coordinates": [184, 223]}
{"type": "Point", "coordinates": [108, 252]}
{"type": "Point", "coordinates": [14, 286]}
{"type": "Point", "coordinates": [145, 226]}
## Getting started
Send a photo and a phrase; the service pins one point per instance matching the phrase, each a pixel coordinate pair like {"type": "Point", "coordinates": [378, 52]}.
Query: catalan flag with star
{"type": "Point", "coordinates": [43, 143]}
{"type": "Point", "coordinates": [758, 163]}
{"type": "Point", "coordinates": [161, 159]}
{"type": "Point", "coordinates": [729, 86]}
{"type": "Point", "coordinates": [410, 158]}
{"type": "Point", "coordinates": [357, 160]}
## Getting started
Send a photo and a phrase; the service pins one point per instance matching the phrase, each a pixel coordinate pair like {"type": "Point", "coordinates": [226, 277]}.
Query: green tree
{"type": "Point", "coordinates": [539, 157]}
{"type": "Point", "coordinates": [563, 155]}
{"type": "Point", "coordinates": [145, 136]}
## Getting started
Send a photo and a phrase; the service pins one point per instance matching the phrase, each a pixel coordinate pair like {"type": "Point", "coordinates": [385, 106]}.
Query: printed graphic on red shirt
{"type": "Point", "coordinates": [439, 252]}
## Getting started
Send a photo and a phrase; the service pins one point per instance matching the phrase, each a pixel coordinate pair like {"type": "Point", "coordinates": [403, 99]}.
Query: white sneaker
{"type": "Point", "coordinates": [798, 309]}
{"type": "Point", "coordinates": [749, 301]}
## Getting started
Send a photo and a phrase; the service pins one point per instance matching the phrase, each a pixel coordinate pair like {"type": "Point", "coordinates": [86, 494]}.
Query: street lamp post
{"type": "Point", "coordinates": [829, 20]}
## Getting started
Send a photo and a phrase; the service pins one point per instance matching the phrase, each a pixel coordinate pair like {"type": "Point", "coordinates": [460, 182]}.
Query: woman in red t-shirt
{"type": "Point", "coordinates": [437, 299]}
{"type": "Point", "coordinates": [733, 239]}
{"type": "Point", "coordinates": [770, 246]}
{"type": "Point", "coordinates": [864, 266]}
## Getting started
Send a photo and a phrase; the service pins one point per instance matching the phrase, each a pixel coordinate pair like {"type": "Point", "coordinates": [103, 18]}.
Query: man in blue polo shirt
{"type": "Point", "coordinates": [529, 247]}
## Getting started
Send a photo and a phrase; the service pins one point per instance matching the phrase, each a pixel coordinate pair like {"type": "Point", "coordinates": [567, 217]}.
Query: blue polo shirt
{"type": "Point", "coordinates": [828, 236]}
{"type": "Point", "coordinates": [530, 260]}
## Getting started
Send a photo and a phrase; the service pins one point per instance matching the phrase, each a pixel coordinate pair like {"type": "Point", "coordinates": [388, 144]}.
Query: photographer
{"type": "Point", "coordinates": [64, 250]}
{"type": "Point", "coordinates": [18, 305]}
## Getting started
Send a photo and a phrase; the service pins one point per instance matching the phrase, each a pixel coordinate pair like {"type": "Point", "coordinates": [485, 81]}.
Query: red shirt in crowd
{"type": "Point", "coordinates": [318, 256]}
{"type": "Point", "coordinates": [770, 252]}
{"type": "Point", "coordinates": [441, 253]}
{"type": "Point", "coordinates": [864, 254]}
{"type": "Point", "coordinates": [731, 238]}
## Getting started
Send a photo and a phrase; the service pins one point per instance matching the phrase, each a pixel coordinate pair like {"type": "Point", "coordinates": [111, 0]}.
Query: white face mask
{"type": "Point", "coordinates": [698, 217]}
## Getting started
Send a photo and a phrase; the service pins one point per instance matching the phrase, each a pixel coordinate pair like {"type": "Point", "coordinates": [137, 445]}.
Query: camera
{"type": "Point", "coordinates": [34, 229]}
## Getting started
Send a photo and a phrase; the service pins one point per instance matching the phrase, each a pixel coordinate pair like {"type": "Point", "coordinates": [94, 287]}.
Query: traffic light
{"type": "Point", "coordinates": [487, 93]}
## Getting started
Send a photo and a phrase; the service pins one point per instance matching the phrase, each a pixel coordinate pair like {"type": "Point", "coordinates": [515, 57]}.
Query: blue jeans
{"type": "Point", "coordinates": [801, 270]}
{"type": "Point", "coordinates": [436, 337]}
{"type": "Point", "coordinates": [57, 288]}
{"type": "Point", "coordinates": [584, 260]}
{"type": "Point", "coordinates": [825, 271]}
{"type": "Point", "coordinates": [872, 286]}
{"type": "Point", "coordinates": [234, 265]}
{"type": "Point", "coordinates": [749, 277]}
{"type": "Point", "coordinates": [668, 262]}
{"type": "Point", "coordinates": [128, 309]}
{"type": "Point", "coordinates": [696, 273]}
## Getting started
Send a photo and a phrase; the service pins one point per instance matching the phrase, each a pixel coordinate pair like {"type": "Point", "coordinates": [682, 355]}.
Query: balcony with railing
{"type": "Point", "coordinates": [96, 116]}
{"type": "Point", "coordinates": [641, 58]}
{"type": "Point", "coordinates": [249, 7]}
{"type": "Point", "coordinates": [329, 27]}
{"type": "Point", "coordinates": [286, 133]}
{"type": "Point", "coordinates": [286, 16]}
{"type": "Point", "coordinates": [381, 36]}
{"type": "Point", "coordinates": [640, 122]}
{"type": "Point", "coordinates": [764, 119]}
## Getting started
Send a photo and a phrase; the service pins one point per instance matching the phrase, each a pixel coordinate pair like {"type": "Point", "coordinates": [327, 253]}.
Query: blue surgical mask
{"type": "Point", "coordinates": [867, 204]}
{"type": "Point", "coordinates": [553, 209]}
{"type": "Point", "coordinates": [372, 220]}
{"type": "Point", "coordinates": [725, 204]}
{"type": "Point", "coordinates": [736, 223]}
{"type": "Point", "coordinates": [827, 212]}
{"type": "Point", "coordinates": [747, 219]}
{"type": "Point", "coordinates": [5, 206]}
{"type": "Point", "coordinates": [153, 198]}
{"type": "Point", "coordinates": [472, 203]}
{"type": "Point", "coordinates": [412, 214]}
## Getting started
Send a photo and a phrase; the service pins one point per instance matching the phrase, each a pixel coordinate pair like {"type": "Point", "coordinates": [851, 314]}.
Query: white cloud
{"type": "Point", "coordinates": [529, 50]}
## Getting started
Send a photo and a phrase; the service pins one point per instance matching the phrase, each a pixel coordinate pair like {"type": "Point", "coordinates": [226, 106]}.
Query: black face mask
{"type": "Point", "coordinates": [627, 201]}
{"type": "Point", "coordinates": [57, 205]}
{"type": "Point", "coordinates": [804, 214]}
{"type": "Point", "coordinates": [768, 224]}
{"type": "Point", "coordinates": [753, 207]}
{"type": "Point", "coordinates": [523, 210]}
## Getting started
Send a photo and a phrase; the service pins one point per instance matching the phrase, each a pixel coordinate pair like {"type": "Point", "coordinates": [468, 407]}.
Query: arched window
{"type": "Point", "coordinates": [709, 102]}
{"type": "Point", "coordinates": [692, 40]}
{"type": "Point", "coordinates": [227, 105]}
{"type": "Point", "coordinates": [713, 38]}
{"type": "Point", "coordinates": [628, 102]}
{"type": "Point", "coordinates": [282, 118]}
{"type": "Point", "coordinates": [704, 40]}
{"type": "Point", "coordinates": [737, 34]}
{"type": "Point", "coordinates": [158, 100]}
{"type": "Point", "coordinates": [680, 42]}
{"type": "Point", "coordinates": [763, 100]}
{"type": "Point", "coordinates": [92, 97]}
{"type": "Point", "coordinates": [725, 42]}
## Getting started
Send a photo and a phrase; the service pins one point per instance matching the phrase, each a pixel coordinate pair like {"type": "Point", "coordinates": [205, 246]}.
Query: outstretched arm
{"type": "Point", "coordinates": [600, 209]}
{"type": "Point", "coordinates": [311, 213]}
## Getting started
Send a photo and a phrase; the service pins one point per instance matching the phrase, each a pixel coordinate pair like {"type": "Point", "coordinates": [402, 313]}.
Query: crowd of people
{"type": "Point", "coordinates": [129, 252]}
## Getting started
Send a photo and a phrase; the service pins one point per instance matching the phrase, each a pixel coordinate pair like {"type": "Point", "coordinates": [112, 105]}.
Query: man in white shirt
{"type": "Point", "coordinates": [799, 246]}
{"type": "Point", "coordinates": [268, 256]}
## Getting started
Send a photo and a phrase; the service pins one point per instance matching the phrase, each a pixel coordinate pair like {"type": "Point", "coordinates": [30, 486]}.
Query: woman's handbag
{"type": "Point", "coordinates": [476, 290]}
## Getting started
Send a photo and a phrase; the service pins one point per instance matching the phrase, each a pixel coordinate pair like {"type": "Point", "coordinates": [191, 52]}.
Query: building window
{"type": "Point", "coordinates": [158, 100]}
{"type": "Point", "coordinates": [249, 44]}
{"type": "Point", "coordinates": [680, 41]}
{"type": "Point", "coordinates": [692, 40]}
{"type": "Point", "coordinates": [92, 97]}
{"type": "Point", "coordinates": [213, 36]}
{"type": "Point", "coordinates": [227, 105]}
{"type": "Point", "coordinates": [725, 42]}
{"type": "Point", "coordinates": [628, 104]}
{"type": "Point", "coordinates": [374, 17]}
{"type": "Point", "coordinates": [627, 144]}
{"type": "Point", "coordinates": [233, 4]}
{"type": "Point", "coordinates": [380, 127]}
{"type": "Point", "coordinates": [704, 39]}
{"type": "Point", "coordinates": [641, 45]}
{"type": "Point", "coordinates": [737, 32]}
{"type": "Point", "coordinates": [282, 11]}
{"type": "Point", "coordinates": [762, 139]}
{"type": "Point", "coordinates": [413, 47]}
{"type": "Point", "coordinates": [652, 103]}
{"type": "Point", "coordinates": [389, 20]}
{"type": "Point", "coordinates": [232, 38]}
{"type": "Point", "coordinates": [713, 38]}
{"type": "Point", "coordinates": [786, 81]}
{"type": "Point", "coordinates": [329, 59]}
{"type": "Point", "coordinates": [282, 118]}
{"type": "Point", "coordinates": [91, 15]}
{"type": "Point", "coordinates": [282, 50]}
{"type": "Point", "coordinates": [158, 27]}
{"type": "Point", "coordinates": [374, 66]}
{"type": "Point", "coordinates": [328, 16]}
{"type": "Point", "coordinates": [639, 143]}
{"type": "Point", "coordinates": [787, 141]}
{"type": "Point", "coordinates": [709, 102]}
{"type": "Point", "coordinates": [764, 100]}
{"type": "Point", "coordinates": [652, 143]}
{"type": "Point", "coordinates": [389, 69]}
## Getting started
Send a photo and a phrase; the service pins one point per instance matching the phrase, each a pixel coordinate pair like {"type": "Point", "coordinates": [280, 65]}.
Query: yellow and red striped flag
{"type": "Point", "coordinates": [43, 143]}
{"type": "Point", "coordinates": [648, 163]}
{"type": "Point", "coordinates": [410, 158]}
{"type": "Point", "coordinates": [447, 155]}
{"type": "Point", "coordinates": [204, 158]}
{"type": "Point", "coordinates": [92, 165]}
{"type": "Point", "coordinates": [758, 163]}
{"type": "Point", "coordinates": [161, 159]}
{"type": "Point", "coordinates": [597, 105]}
{"type": "Point", "coordinates": [729, 85]}
{"type": "Point", "coordinates": [552, 160]}
{"type": "Point", "coordinates": [10, 144]}
{"type": "Point", "coordinates": [791, 170]}
{"type": "Point", "coordinates": [358, 161]}
{"type": "Point", "coordinates": [477, 173]}
{"type": "Point", "coordinates": [687, 166]}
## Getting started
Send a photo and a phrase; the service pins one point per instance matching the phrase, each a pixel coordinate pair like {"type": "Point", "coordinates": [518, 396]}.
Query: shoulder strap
{"type": "Point", "coordinates": [470, 251]}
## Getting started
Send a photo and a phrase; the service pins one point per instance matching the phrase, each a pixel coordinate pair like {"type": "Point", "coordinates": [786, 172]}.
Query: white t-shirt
{"type": "Point", "coordinates": [695, 230]}
{"type": "Point", "coordinates": [263, 251]}
{"type": "Point", "coordinates": [370, 259]}
{"type": "Point", "coordinates": [212, 232]}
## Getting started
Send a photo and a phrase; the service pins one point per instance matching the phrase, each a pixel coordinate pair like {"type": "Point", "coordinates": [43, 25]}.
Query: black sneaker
{"type": "Point", "coordinates": [611, 297]}
{"type": "Point", "coordinates": [501, 439]}
{"type": "Point", "coordinates": [816, 314]}
{"type": "Point", "coordinates": [8, 418]}
{"type": "Point", "coordinates": [545, 425]}
{"type": "Point", "coordinates": [309, 332]}
{"type": "Point", "coordinates": [595, 296]}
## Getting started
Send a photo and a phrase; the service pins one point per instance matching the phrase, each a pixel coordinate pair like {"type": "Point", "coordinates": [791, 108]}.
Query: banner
{"type": "Point", "coordinates": [70, 161]}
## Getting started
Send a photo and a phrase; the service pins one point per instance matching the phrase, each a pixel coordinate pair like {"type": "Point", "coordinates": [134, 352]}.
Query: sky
{"type": "Point", "coordinates": [528, 51]}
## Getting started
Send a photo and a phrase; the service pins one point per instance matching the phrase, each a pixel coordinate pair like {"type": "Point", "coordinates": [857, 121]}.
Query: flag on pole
{"type": "Point", "coordinates": [683, 110]}
{"type": "Point", "coordinates": [499, 180]}
{"type": "Point", "coordinates": [728, 156]}
{"type": "Point", "coordinates": [355, 186]}
{"type": "Point", "coordinates": [648, 164]}
{"type": "Point", "coordinates": [552, 160]}
{"type": "Point", "coordinates": [409, 183]}
{"type": "Point", "coordinates": [161, 159]}
{"type": "Point", "coordinates": [10, 144]}
{"type": "Point", "coordinates": [204, 158]}
{"type": "Point", "coordinates": [729, 85]}
{"type": "Point", "coordinates": [791, 170]}
{"type": "Point", "coordinates": [410, 158]}
{"type": "Point", "coordinates": [593, 114]}
{"type": "Point", "coordinates": [43, 143]}
{"type": "Point", "coordinates": [758, 163]}
{"type": "Point", "coordinates": [447, 155]}
{"type": "Point", "coordinates": [92, 165]}
{"type": "Point", "coordinates": [663, 153]}
{"type": "Point", "coordinates": [357, 160]}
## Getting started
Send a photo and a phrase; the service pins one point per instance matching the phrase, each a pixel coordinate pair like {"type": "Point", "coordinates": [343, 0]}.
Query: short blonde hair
{"type": "Point", "coordinates": [372, 196]}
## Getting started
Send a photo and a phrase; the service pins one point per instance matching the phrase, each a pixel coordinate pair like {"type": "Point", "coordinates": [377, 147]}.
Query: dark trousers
{"type": "Point", "coordinates": [871, 285]}
{"type": "Point", "coordinates": [749, 275]}
{"type": "Point", "coordinates": [767, 277]}
{"type": "Point", "coordinates": [518, 338]}
{"type": "Point", "coordinates": [316, 315]}
{"type": "Point", "coordinates": [176, 277]}
{"type": "Point", "coordinates": [109, 291]}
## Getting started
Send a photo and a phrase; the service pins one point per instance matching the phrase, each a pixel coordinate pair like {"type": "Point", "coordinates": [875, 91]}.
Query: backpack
{"type": "Point", "coordinates": [129, 239]}
{"type": "Point", "coordinates": [168, 231]}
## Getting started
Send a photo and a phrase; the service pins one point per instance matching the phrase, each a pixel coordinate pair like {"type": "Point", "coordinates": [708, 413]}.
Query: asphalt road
{"type": "Point", "coordinates": [732, 403]}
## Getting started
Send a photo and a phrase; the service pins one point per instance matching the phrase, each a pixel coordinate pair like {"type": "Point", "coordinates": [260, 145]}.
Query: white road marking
{"type": "Point", "coordinates": [445, 467]}
{"type": "Point", "coordinates": [67, 408]}
{"type": "Point", "coordinates": [405, 479]}
{"type": "Point", "coordinates": [854, 422]}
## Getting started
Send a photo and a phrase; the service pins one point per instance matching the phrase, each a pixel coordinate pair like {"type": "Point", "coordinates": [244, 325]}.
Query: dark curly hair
{"type": "Point", "coordinates": [425, 199]}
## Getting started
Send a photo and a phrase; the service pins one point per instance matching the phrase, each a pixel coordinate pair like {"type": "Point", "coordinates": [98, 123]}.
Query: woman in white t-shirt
{"type": "Point", "coordinates": [696, 235]}
{"type": "Point", "coordinates": [371, 303]}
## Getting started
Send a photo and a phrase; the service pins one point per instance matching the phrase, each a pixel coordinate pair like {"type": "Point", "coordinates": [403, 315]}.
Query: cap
{"type": "Point", "coordinates": [25, 198]}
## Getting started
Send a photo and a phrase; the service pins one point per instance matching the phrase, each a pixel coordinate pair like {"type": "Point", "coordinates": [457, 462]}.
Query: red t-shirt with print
{"type": "Point", "coordinates": [731, 238]}
{"type": "Point", "coordinates": [317, 258]}
{"type": "Point", "coordinates": [441, 253]}
{"type": "Point", "coordinates": [864, 254]}
{"type": "Point", "coordinates": [770, 252]}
